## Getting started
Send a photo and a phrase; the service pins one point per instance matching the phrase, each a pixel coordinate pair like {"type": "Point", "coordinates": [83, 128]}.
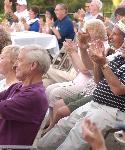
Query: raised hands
{"type": "Point", "coordinates": [70, 46]}
{"type": "Point", "coordinates": [93, 135]}
{"type": "Point", "coordinates": [79, 15]}
{"type": "Point", "coordinates": [7, 6]}
{"type": "Point", "coordinates": [97, 52]}
{"type": "Point", "coordinates": [83, 39]}
{"type": "Point", "coordinates": [49, 21]}
{"type": "Point", "coordinates": [23, 20]}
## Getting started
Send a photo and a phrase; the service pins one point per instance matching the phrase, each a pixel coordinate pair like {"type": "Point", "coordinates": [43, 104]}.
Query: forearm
{"type": "Point", "coordinates": [116, 86]}
{"type": "Point", "coordinates": [86, 59]}
{"type": "Point", "coordinates": [77, 63]}
{"type": "Point", "coordinates": [56, 32]}
{"type": "Point", "coordinates": [103, 147]}
{"type": "Point", "coordinates": [26, 26]}
{"type": "Point", "coordinates": [98, 75]}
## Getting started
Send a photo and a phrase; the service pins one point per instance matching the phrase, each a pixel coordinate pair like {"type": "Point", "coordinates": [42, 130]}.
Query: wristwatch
{"type": "Point", "coordinates": [105, 66]}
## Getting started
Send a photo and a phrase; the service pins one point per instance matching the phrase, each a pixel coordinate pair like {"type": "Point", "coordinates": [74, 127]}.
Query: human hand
{"type": "Point", "coordinates": [49, 21]}
{"type": "Point", "coordinates": [83, 39]}
{"type": "Point", "coordinates": [23, 20]}
{"type": "Point", "coordinates": [92, 135]}
{"type": "Point", "coordinates": [70, 46]}
{"type": "Point", "coordinates": [97, 52]}
{"type": "Point", "coordinates": [79, 15]}
{"type": "Point", "coordinates": [7, 6]}
{"type": "Point", "coordinates": [15, 18]}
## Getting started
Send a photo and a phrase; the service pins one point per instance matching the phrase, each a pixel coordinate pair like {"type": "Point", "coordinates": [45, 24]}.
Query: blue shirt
{"type": "Point", "coordinates": [34, 26]}
{"type": "Point", "coordinates": [65, 28]}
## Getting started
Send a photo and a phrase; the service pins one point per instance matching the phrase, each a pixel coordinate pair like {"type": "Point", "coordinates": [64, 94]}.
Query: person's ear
{"type": "Point", "coordinates": [34, 65]}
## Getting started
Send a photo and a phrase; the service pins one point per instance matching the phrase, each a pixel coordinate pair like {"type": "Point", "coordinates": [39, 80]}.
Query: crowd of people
{"type": "Point", "coordinates": [79, 103]}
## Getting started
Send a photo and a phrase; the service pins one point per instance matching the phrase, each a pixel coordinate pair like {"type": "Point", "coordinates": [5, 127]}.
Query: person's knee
{"type": "Point", "coordinates": [58, 104]}
{"type": "Point", "coordinates": [62, 112]}
{"type": "Point", "coordinates": [59, 113]}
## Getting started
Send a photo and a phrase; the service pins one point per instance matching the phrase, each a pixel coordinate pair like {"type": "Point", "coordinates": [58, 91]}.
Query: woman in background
{"type": "Point", "coordinates": [33, 23]}
{"type": "Point", "coordinates": [50, 17]}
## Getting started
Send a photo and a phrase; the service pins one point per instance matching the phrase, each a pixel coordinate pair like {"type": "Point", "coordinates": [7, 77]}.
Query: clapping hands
{"type": "Point", "coordinates": [97, 52]}
{"type": "Point", "coordinates": [83, 39]}
{"type": "Point", "coordinates": [93, 135]}
{"type": "Point", "coordinates": [70, 46]}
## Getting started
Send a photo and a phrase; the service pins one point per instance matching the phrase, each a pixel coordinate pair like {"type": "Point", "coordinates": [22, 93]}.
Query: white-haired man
{"type": "Point", "coordinates": [23, 105]}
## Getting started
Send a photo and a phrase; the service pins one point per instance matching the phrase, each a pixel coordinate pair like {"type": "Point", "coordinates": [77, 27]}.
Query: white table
{"type": "Point", "coordinates": [46, 41]}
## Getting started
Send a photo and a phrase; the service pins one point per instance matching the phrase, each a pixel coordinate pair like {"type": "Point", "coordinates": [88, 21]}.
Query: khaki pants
{"type": "Point", "coordinates": [55, 75]}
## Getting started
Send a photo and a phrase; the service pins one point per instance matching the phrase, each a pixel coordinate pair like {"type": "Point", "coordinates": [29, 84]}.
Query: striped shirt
{"type": "Point", "coordinates": [103, 94]}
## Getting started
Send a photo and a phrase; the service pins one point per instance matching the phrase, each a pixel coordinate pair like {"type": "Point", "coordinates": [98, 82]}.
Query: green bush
{"type": "Point", "coordinates": [72, 5]}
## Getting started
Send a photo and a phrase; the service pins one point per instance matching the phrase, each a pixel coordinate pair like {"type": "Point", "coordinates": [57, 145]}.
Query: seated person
{"type": "Point", "coordinates": [24, 104]}
{"type": "Point", "coordinates": [50, 17]}
{"type": "Point", "coordinates": [21, 10]}
{"type": "Point", "coordinates": [63, 26]}
{"type": "Point", "coordinates": [10, 17]}
{"type": "Point", "coordinates": [8, 58]}
{"type": "Point", "coordinates": [33, 23]}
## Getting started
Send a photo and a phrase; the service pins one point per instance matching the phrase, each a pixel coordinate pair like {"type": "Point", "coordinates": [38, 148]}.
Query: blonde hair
{"type": "Point", "coordinates": [96, 29]}
{"type": "Point", "coordinates": [13, 51]}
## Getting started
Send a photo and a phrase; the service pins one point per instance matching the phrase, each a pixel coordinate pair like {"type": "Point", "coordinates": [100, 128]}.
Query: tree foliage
{"type": "Point", "coordinates": [72, 5]}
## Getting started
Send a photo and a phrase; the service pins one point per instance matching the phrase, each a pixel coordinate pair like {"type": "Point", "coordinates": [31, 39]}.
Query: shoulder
{"type": "Point", "coordinates": [67, 19]}
{"type": "Point", "coordinates": [33, 91]}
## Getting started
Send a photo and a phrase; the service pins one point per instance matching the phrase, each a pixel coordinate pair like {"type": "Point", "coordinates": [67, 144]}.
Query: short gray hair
{"type": "Point", "coordinates": [40, 55]}
{"type": "Point", "coordinates": [98, 4]}
{"type": "Point", "coordinates": [63, 6]}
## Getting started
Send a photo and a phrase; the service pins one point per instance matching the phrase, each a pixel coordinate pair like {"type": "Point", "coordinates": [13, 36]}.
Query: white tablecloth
{"type": "Point", "coordinates": [46, 41]}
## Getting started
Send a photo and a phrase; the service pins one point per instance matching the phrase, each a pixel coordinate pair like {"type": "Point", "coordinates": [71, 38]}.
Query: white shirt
{"type": "Point", "coordinates": [3, 85]}
{"type": "Point", "coordinates": [23, 14]}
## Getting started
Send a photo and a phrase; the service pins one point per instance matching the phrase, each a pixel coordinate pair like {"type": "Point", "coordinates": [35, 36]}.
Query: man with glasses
{"type": "Point", "coordinates": [63, 27]}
